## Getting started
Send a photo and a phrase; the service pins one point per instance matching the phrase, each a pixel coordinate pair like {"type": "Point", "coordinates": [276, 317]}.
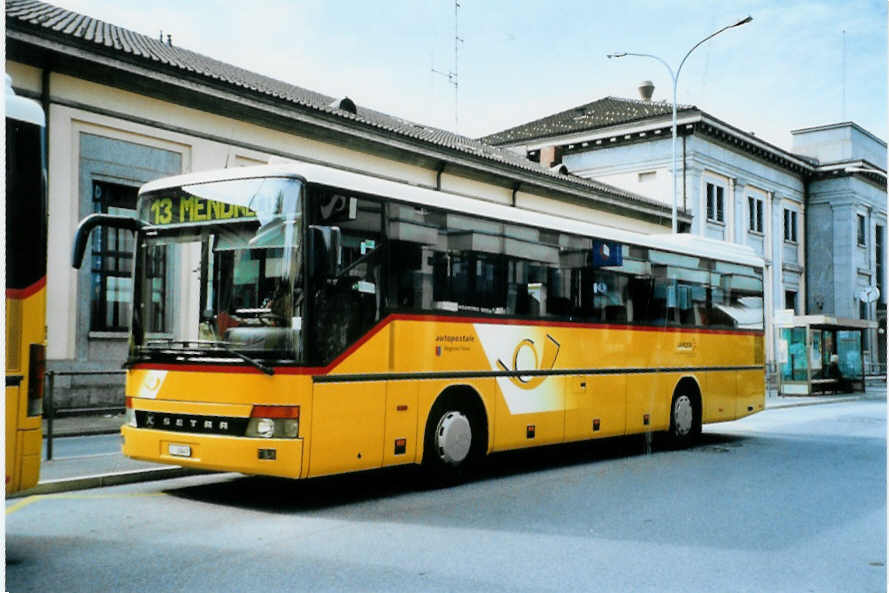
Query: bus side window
{"type": "Point", "coordinates": [348, 304]}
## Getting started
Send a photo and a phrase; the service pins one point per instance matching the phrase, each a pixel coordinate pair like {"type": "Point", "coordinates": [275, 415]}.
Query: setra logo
{"type": "Point", "coordinates": [526, 358]}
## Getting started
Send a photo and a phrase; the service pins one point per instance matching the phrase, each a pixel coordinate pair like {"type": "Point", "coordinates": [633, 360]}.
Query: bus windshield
{"type": "Point", "coordinates": [238, 244]}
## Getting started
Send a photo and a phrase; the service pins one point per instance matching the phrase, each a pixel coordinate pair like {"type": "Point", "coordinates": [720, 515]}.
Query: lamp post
{"type": "Point", "coordinates": [675, 78]}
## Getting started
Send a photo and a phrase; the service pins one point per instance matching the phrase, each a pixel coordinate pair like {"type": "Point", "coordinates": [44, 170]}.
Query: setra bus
{"type": "Point", "coordinates": [299, 320]}
{"type": "Point", "coordinates": [26, 220]}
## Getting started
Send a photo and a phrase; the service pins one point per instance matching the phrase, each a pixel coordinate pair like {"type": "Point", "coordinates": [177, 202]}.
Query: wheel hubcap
{"type": "Point", "coordinates": [683, 415]}
{"type": "Point", "coordinates": [453, 438]}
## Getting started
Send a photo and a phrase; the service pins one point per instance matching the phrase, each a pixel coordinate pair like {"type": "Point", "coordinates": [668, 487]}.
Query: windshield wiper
{"type": "Point", "coordinates": [225, 346]}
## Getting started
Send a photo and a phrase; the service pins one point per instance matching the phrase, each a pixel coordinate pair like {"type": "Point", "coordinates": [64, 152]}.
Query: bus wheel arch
{"type": "Point", "coordinates": [456, 433]}
{"type": "Point", "coordinates": [686, 412]}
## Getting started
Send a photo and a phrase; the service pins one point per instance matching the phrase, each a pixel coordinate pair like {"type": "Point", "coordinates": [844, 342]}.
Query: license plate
{"type": "Point", "coordinates": [180, 450]}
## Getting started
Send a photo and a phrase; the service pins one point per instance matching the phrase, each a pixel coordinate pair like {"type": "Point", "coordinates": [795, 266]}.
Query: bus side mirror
{"type": "Point", "coordinates": [82, 235]}
{"type": "Point", "coordinates": [324, 250]}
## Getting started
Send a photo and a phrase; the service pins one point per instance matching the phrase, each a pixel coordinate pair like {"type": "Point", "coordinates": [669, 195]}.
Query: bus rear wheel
{"type": "Point", "coordinates": [453, 441]}
{"type": "Point", "coordinates": [685, 419]}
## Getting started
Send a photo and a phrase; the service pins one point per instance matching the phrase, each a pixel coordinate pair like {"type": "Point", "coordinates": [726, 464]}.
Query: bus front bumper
{"type": "Point", "coordinates": [269, 457]}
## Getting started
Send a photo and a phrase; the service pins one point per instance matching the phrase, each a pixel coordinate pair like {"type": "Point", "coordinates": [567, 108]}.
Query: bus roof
{"type": "Point", "coordinates": [403, 192]}
{"type": "Point", "coordinates": [22, 109]}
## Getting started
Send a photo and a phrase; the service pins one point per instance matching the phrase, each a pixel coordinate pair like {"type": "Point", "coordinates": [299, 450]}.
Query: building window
{"type": "Point", "coordinates": [647, 176]}
{"type": "Point", "coordinates": [790, 300]}
{"type": "Point", "coordinates": [790, 225]}
{"type": "Point", "coordinates": [715, 208]}
{"type": "Point", "coordinates": [111, 272]}
{"type": "Point", "coordinates": [878, 263]}
{"type": "Point", "coordinates": [862, 230]}
{"type": "Point", "coordinates": [754, 208]}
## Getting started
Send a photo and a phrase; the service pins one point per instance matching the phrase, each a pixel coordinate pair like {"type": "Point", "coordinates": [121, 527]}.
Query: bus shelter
{"type": "Point", "coordinates": [820, 354]}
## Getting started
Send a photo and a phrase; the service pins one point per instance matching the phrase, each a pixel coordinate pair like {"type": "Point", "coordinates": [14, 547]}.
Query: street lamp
{"type": "Point", "coordinates": [675, 78]}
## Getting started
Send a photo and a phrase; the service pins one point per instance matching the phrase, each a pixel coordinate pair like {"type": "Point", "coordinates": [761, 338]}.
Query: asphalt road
{"type": "Point", "coordinates": [788, 500]}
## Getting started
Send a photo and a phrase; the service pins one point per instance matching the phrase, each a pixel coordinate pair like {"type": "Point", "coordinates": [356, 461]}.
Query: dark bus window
{"type": "Point", "coordinates": [25, 205]}
{"type": "Point", "coordinates": [347, 304]}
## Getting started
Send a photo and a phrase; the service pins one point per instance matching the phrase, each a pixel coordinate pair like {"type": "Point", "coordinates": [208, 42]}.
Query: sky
{"type": "Point", "coordinates": [792, 67]}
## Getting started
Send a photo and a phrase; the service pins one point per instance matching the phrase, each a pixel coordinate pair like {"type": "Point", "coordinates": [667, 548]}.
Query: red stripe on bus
{"type": "Point", "coordinates": [23, 293]}
{"type": "Point", "coordinates": [294, 370]}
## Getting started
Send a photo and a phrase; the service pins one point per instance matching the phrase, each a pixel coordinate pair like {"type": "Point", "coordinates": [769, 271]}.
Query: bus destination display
{"type": "Point", "coordinates": [188, 209]}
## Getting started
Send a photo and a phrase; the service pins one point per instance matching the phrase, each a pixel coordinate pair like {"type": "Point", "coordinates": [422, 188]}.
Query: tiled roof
{"type": "Point", "coordinates": [605, 112]}
{"type": "Point", "coordinates": [48, 21]}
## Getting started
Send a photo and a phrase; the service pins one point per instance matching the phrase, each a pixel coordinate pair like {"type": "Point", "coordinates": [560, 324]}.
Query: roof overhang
{"type": "Point", "coordinates": [688, 122]}
{"type": "Point", "coordinates": [827, 322]}
{"type": "Point", "coordinates": [599, 136]}
{"type": "Point", "coordinates": [861, 167]}
{"type": "Point", "coordinates": [106, 66]}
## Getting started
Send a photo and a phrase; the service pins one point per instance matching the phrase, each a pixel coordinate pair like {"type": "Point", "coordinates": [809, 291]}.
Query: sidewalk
{"type": "Point", "coordinates": [111, 469]}
{"type": "Point", "coordinates": [774, 400]}
{"type": "Point", "coordinates": [94, 471]}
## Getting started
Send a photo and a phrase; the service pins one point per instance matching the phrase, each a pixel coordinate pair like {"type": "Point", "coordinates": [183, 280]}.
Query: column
{"type": "Point", "coordinates": [730, 208]}
{"type": "Point", "coordinates": [801, 258]}
{"type": "Point", "coordinates": [871, 269]}
{"type": "Point", "coordinates": [701, 216]}
{"type": "Point", "coordinates": [768, 282]}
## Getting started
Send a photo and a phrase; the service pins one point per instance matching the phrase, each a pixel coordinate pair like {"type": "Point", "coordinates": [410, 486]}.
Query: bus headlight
{"type": "Point", "coordinates": [130, 417]}
{"type": "Point", "coordinates": [291, 428]}
{"type": "Point", "coordinates": [274, 422]}
{"type": "Point", "coordinates": [265, 427]}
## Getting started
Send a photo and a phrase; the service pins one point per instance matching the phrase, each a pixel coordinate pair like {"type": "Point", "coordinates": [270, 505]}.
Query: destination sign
{"type": "Point", "coordinates": [185, 209]}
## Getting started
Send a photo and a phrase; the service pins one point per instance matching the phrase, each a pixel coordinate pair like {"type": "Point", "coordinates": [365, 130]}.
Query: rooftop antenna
{"type": "Point", "coordinates": [452, 75]}
{"type": "Point", "coordinates": [844, 75]}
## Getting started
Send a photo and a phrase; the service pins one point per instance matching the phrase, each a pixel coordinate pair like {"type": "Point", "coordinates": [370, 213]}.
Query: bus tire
{"type": "Point", "coordinates": [455, 438]}
{"type": "Point", "coordinates": [685, 417]}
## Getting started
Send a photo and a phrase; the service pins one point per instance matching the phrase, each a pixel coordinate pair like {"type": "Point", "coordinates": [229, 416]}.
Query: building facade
{"type": "Point", "coordinates": [123, 109]}
{"type": "Point", "coordinates": [740, 189]}
{"type": "Point", "coordinates": [846, 227]}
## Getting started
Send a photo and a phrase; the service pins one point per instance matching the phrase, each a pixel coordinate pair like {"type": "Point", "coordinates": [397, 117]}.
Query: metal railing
{"type": "Point", "coordinates": [50, 411]}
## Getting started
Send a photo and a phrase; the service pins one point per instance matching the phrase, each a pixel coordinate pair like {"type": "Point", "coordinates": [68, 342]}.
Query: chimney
{"type": "Point", "coordinates": [550, 156]}
{"type": "Point", "coordinates": [646, 90]}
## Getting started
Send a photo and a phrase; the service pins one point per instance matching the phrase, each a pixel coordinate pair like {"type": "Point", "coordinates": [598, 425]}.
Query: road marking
{"type": "Point", "coordinates": [21, 504]}
{"type": "Point", "coordinates": [32, 499]}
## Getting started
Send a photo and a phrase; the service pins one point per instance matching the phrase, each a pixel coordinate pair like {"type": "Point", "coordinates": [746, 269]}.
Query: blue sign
{"type": "Point", "coordinates": [607, 253]}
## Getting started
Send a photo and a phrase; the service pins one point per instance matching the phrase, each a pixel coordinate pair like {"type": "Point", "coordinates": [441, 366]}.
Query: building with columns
{"type": "Point", "coordinates": [819, 227]}
{"type": "Point", "coordinates": [846, 226]}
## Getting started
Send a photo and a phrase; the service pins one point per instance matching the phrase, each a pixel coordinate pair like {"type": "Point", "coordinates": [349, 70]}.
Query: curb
{"type": "Point", "coordinates": [818, 403]}
{"type": "Point", "coordinates": [112, 479]}
{"type": "Point", "coordinates": [82, 433]}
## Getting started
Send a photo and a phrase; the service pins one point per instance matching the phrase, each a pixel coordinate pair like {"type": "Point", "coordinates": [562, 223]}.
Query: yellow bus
{"type": "Point", "coordinates": [25, 288]}
{"type": "Point", "coordinates": [300, 321]}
